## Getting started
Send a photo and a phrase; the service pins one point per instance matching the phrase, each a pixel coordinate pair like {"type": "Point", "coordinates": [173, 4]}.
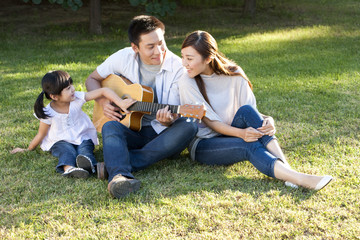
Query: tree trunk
{"type": "Point", "coordinates": [95, 17]}
{"type": "Point", "coordinates": [250, 7]}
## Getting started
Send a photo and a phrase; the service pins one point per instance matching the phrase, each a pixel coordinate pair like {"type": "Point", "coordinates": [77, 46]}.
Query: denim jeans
{"type": "Point", "coordinates": [67, 153]}
{"type": "Point", "coordinates": [126, 151]}
{"type": "Point", "coordinates": [225, 150]}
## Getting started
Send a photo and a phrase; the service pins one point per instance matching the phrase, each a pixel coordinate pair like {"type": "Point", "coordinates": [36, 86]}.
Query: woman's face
{"type": "Point", "coordinates": [194, 62]}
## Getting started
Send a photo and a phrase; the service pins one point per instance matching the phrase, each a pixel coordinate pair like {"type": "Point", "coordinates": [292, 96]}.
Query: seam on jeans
{"type": "Point", "coordinates": [267, 142]}
{"type": "Point", "coordinates": [210, 150]}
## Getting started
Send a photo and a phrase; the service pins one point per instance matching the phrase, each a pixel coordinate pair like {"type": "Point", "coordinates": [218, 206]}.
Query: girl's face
{"type": "Point", "coordinates": [67, 94]}
{"type": "Point", "coordinates": [194, 62]}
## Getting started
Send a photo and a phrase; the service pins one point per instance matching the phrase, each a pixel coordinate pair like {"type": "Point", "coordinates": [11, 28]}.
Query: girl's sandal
{"type": "Point", "coordinates": [76, 173]}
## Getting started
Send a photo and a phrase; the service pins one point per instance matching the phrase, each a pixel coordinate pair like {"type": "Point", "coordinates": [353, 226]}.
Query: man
{"type": "Point", "coordinates": [150, 63]}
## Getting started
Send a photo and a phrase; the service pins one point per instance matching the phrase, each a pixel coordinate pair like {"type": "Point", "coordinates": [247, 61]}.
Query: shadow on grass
{"type": "Point", "coordinates": [32, 188]}
{"type": "Point", "coordinates": [190, 176]}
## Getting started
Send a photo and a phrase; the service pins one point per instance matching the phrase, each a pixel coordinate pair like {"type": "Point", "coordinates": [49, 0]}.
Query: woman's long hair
{"type": "Point", "coordinates": [207, 47]}
{"type": "Point", "coordinates": [52, 83]}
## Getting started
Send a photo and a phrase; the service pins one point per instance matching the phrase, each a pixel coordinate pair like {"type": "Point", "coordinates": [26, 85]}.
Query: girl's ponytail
{"type": "Point", "coordinates": [39, 107]}
{"type": "Point", "coordinates": [52, 83]}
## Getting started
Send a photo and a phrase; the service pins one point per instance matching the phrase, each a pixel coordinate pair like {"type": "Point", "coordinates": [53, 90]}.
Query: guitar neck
{"type": "Point", "coordinates": [152, 107]}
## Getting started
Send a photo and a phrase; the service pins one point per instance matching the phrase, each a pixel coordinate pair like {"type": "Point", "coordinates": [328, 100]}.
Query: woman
{"type": "Point", "coordinates": [232, 130]}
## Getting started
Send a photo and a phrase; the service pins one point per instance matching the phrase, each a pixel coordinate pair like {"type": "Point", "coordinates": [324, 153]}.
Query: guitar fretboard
{"type": "Point", "coordinates": [151, 107]}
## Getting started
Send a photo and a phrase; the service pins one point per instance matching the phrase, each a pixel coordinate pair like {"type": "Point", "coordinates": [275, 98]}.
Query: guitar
{"type": "Point", "coordinates": [144, 105]}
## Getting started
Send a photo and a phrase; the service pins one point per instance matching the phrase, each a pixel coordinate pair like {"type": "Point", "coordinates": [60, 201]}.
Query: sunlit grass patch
{"type": "Point", "coordinates": [303, 60]}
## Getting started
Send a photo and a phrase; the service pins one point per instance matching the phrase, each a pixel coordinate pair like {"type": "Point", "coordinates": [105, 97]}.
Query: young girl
{"type": "Point", "coordinates": [234, 130]}
{"type": "Point", "coordinates": [65, 130]}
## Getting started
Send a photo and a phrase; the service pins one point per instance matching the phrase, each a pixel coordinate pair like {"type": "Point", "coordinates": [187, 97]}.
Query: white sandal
{"type": "Point", "coordinates": [325, 180]}
{"type": "Point", "coordinates": [75, 173]}
{"type": "Point", "coordinates": [290, 184]}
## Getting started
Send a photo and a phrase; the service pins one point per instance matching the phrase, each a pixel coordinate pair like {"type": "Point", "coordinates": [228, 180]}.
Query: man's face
{"type": "Point", "coordinates": [151, 47]}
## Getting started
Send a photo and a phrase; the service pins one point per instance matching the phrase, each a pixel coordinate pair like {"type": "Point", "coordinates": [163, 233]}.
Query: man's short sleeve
{"type": "Point", "coordinates": [109, 65]}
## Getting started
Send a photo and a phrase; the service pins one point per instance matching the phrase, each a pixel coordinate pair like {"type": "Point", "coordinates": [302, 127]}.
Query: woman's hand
{"type": "Point", "coordinates": [165, 117]}
{"type": "Point", "coordinates": [17, 150]}
{"type": "Point", "coordinates": [250, 134]}
{"type": "Point", "coordinates": [268, 126]}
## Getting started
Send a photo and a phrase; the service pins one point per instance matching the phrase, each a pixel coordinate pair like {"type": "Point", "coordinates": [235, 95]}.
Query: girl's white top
{"type": "Point", "coordinates": [74, 127]}
{"type": "Point", "coordinates": [226, 95]}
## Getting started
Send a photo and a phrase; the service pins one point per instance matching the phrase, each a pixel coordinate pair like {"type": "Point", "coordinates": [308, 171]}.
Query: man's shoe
{"type": "Point", "coordinates": [101, 171]}
{"type": "Point", "coordinates": [121, 186]}
{"type": "Point", "coordinates": [84, 162]}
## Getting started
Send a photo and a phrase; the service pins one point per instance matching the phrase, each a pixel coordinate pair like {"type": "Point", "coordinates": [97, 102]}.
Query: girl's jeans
{"type": "Point", "coordinates": [126, 151]}
{"type": "Point", "coordinates": [225, 150]}
{"type": "Point", "coordinates": [67, 153]}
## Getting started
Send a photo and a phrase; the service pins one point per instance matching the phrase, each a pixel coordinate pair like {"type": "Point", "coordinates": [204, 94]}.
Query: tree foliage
{"type": "Point", "coordinates": [156, 7]}
{"type": "Point", "coordinates": [72, 4]}
{"type": "Point", "coordinates": [153, 7]}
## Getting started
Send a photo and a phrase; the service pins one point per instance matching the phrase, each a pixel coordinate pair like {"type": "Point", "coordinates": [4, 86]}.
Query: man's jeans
{"type": "Point", "coordinates": [225, 150]}
{"type": "Point", "coordinates": [67, 153]}
{"type": "Point", "coordinates": [126, 151]}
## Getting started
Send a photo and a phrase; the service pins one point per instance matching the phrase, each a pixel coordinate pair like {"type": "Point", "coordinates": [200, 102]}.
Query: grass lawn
{"type": "Point", "coordinates": [304, 62]}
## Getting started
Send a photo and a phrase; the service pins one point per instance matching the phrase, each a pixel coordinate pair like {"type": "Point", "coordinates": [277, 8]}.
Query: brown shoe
{"type": "Point", "coordinates": [101, 171]}
{"type": "Point", "coordinates": [121, 186]}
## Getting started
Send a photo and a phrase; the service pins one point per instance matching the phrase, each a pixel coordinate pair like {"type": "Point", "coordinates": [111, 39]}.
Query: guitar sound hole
{"type": "Point", "coordinates": [122, 115]}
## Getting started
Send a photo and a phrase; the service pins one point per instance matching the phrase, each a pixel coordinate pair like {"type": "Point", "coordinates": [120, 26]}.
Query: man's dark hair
{"type": "Point", "coordinates": [143, 24]}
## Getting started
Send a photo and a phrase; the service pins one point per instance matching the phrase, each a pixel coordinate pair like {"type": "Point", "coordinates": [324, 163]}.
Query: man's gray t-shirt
{"type": "Point", "coordinates": [147, 78]}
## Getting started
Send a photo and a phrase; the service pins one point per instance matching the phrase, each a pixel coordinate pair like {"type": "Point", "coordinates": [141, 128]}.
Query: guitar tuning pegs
{"type": "Point", "coordinates": [194, 120]}
{"type": "Point", "coordinates": [188, 120]}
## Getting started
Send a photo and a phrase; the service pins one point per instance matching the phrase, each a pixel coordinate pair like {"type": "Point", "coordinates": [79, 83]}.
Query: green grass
{"type": "Point", "coordinates": [303, 60]}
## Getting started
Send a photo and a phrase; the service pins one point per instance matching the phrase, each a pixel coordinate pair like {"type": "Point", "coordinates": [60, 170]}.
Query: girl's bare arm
{"type": "Point", "coordinates": [112, 96]}
{"type": "Point", "coordinates": [43, 130]}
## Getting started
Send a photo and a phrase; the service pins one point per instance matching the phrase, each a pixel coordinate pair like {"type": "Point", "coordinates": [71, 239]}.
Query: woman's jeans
{"type": "Point", "coordinates": [225, 150]}
{"type": "Point", "coordinates": [67, 153]}
{"type": "Point", "coordinates": [126, 151]}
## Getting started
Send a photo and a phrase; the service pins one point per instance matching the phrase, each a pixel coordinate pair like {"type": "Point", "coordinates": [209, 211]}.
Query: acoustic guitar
{"type": "Point", "coordinates": [144, 96]}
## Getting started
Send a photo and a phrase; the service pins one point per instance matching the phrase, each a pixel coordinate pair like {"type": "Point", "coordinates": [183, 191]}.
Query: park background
{"type": "Point", "coordinates": [303, 58]}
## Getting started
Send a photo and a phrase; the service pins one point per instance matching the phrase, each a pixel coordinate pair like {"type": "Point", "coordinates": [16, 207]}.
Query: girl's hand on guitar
{"type": "Point", "coordinates": [109, 110]}
{"type": "Point", "coordinates": [113, 112]}
{"type": "Point", "coordinates": [124, 104]}
{"type": "Point", "coordinates": [17, 150]}
{"type": "Point", "coordinates": [165, 117]}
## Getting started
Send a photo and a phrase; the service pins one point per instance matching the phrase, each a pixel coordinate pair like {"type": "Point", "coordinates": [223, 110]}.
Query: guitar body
{"type": "Point", "coordinates": [124, 89]}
